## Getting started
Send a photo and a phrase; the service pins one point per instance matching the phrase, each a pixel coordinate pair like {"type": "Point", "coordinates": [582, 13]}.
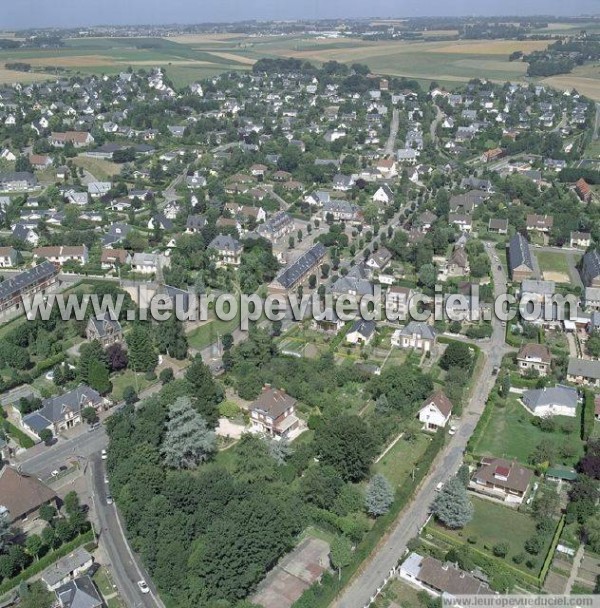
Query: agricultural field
{"type": "Point", "coordinates": [189, 58]}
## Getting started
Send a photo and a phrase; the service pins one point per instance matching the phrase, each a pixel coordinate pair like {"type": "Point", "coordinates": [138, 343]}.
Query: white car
{"type": "Point", "coordinates": [439, 486]}
{"type": "Point", "coordinates": [104, 454]}
{"type": "Point", "coordinates": [143, 586]}
{"type": "Point", "coordinates": [452, 430]}
{"type": "Point", "coordinates": [54, 473]}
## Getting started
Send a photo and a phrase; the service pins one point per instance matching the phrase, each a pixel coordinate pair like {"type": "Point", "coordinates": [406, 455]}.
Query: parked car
{"type": "Point", "coordinates": [143, 586]}
{"type": "Point", "coordinates": [109, 499]}
{"type": "Point", "coordinates": [439, 486]}
{"type": "Point", "coordinates": [104, 454]}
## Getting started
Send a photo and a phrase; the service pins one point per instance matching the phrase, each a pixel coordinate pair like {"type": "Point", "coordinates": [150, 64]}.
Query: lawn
{"type": "Point", "coordinates": [211, 331]}
{"type": "Point", "coordinates": [400, 593]}
{"type": "Point", "coordinates": [493, 524]}
{"type": "Point", "coordinates": [102, 170]}
{"type": "Point", "coordinates": [128, 378]}
{"type": "Point", "coordinates": [399, 462]}
{"type": "Point", "coordinates": [509, 433]}
{"type": "Point", "coordinates": [551, 261]}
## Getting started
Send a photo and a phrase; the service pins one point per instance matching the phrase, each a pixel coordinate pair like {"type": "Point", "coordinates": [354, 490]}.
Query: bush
{"type": "Point", "coordinates": [519, 558]}
{"type": "Point", "coordinates": [500, 549]}
{"type": "Point", "coordinates": [228, 409]}
{"type": "Point", "coordinates": [533, 545]}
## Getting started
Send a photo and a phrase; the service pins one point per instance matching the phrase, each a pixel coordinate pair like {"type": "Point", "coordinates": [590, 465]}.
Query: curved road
{"type": "Point", "coordinates": [362, 590]}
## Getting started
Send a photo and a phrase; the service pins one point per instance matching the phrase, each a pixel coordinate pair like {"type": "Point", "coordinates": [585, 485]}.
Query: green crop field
{"type": "Point", "coordinates": [189, 58]}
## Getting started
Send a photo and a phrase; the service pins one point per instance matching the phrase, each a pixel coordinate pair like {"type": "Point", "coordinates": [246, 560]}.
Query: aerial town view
{"type": "Point", "coordinates": [299, 304]}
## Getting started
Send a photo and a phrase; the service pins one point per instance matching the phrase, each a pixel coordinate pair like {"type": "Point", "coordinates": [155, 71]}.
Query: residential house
{"type": "Point", "coordinates": [340, 211]}
{"type": "Point", "coordinates": [105, 330]}
{"type": "Point", "coordinates": [458, 263]}
{"type": "Point", "coordinates": [384, 195]}
{"type": "Point", "coordinates": [583, 371]}
{"type": "Point", "coordinates": [379, 259]}
{"type": "Point", "coordinates": [116, 233]}
{"type": "Point", "coordinates": [297, 272]}
{"type": "Point", "coordinates": [159, 221]}
{"type": "Point", "coordinates": [435, 412]}
{"type": "Point", "coordinates": [98, 189]}
{"type": "Point", "coordinates": [502, 479]}
{"type": "Point", "coordinates": [583, 191]}
{"type": "Point", "coordinates": [39, 161]}
{"type": "Point", "coordinates": [539, 223]}
{"type": "Point", "coordinates": [463, 222]}
{"type": "Point", "coordinates": [67, 568]}
{"type": "Point", "coordinates": [17, 181]}
{"type": "Point", "coordinates": [416, 335]}
{"type": "Point", "coordinates": [42, 278]}
{"type": "Point", "coordinates": [361, 332]}
{"type": "Point", "coordinates": [79, 139]}
{"type": "Point", "coordinates": [277, 226]}
{"type": "Point", "coordinates": [397, 300]}
{"type": "Point", "coordinates": [64, 411]}
{"type": "Point", "coordinates": [112, 259]}
{"type": "Point", "coordinates": [60, 255]}
{"type": "Point", "coordinates": [148, 263]}
{"type": "Point", "coordinates": [498, 225]}
{"type": "Point", "coordinates": [440, 579]}
{"type": "Point", "coordinates": [274, 413]}
{"type": "Point", "coordinates": [534, 357]}
{"type": "Point", "coordinates": [580, 240]}
{"type": "Point", "coordinates": [591, 297]}
{"type": "Point", "coordinates": [22, 495]}
{"type": "Point", "coordinates": [25, 233]}
{"type": "Point", "coordinates": [195, 223]}
{"type": "Point", "coordinates": [519, 258]}
{"type": "Point", "coordinates": [228, 250]}
{"type": "Point", "coordinates": [475, 183]}
{"type": "Point", "coordinates": [355, 283]}
{"type": "Point", "coordinates": [556, 400]}
{"type": "Point", "coordinates": [79, 593]}
{"type": "Point", "coordinates": [328, 322]}
{"type": "Point", "coordinates": [590, 269]}
{"type": "Point", "coordinates": [8, 257]}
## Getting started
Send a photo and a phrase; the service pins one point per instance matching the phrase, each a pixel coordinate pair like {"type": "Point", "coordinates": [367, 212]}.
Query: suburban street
{"type": "Point", "coordinates": [126, 569]}
{"type": "Point", "coordinates": [391, 142]}
{"type": "Point", "coordinates": [359, 593]}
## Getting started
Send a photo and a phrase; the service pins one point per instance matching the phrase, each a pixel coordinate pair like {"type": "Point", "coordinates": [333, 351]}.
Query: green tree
{"type": "Point", "coordinates": [34, 545]}
{"type": "Point", "coordinates": [36, 596]}
{"type": "Point", "coordinates": [457, 354]}
{"type": "Point", "coordinates": [347, 444]}
{"type": "Point", "coordinates": [188, 441]}
{"type": "Point", "coordinates": [89, 414]}
{"type": "Point", "coordinates": [452, 506]}
{"type": "Point", "coordinates": [379, 496]}
{"type": "Point", "coordinates": [340, 553]}
{"type": "Point", "coordinates": [171, 339]}
{"type": "Point", "coordinates": [427, 275]}
{"type": "Point", "coordinates": [98, 377]}
{"type": "Point", "coordinates": [142, 356]}
{"type": "Point", "coordinates": [206, 392]}
{"type": "Point", "coordinates": [320, 486]}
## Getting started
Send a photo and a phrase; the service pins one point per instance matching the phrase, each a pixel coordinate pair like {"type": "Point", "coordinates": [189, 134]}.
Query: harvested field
{"type": "Point", "coordinates": [557, 277]}
{"type": "Point", "coordinates": [10, 76]}
{"type": "Point", "coordinates": [202, 38]}
{"type": "Point", "coordinates": [489, 47]}
{"type": "Point", "coordinates": [71, 61]}
{"type": "Point", "coordinates": [234, 57]}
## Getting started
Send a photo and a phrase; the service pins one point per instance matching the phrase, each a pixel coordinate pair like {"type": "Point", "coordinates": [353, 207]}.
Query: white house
{"type": "Point", "coordinates": [556, 400]}
{"type": "Point", "coordinates": [435, 412]}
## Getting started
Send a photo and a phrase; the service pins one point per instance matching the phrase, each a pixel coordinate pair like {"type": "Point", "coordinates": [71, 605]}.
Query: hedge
{"type": "Point", "coordinates": [25, 441]}
{"type": "Point", "coordinates": [46, 561]}
{"type": "Point", "coordinates": [587, 415]}
{"type": "Point", "coordinates": [486, 561]}
{"type": "Point", "coordinates": [321, 595]}
{"type": "Point", "coordinates": [550, 556]}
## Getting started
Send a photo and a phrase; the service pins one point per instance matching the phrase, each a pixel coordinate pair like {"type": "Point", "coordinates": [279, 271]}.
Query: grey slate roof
{"type": "Point", "coordinates": [355, 282]}
{"type": "Point", "coordinates": [63, 567]}
{"type": "Point", "coordinates": [225, 242]}
{"type": "Point", "coordinates": [565, 396]}
{"type": "Point", "coordinates": [292, 273]}
{"type": "Point", "coordinates": [420, 329]}
{"type": "Point", "coordinates": [53, 408]}
{"type": "Point", "coordinates": [79, 593]}
{"type": "Point", "coordinates": [584, 367]}
{"type": "Point", "coordinates": [590, 268]}
{"type": "Point", "coordinates": [24, 280]}
{"type": "Point", "coordinates": [519, 253]}
{"type": "Point", "coordinates": [364, 328]}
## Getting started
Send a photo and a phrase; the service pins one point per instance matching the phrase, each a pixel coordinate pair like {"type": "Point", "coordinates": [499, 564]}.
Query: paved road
{"type": "Point", "coordinates": [42, 460]}
{"type": "Point", "coordinates": [391, 142]}
{"type": "Point", "coordinates": [126, 569]}
{"type": "Point", "coordinates": [365, 585]}
{"type": "Point", "coordinates": [434, 125]}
